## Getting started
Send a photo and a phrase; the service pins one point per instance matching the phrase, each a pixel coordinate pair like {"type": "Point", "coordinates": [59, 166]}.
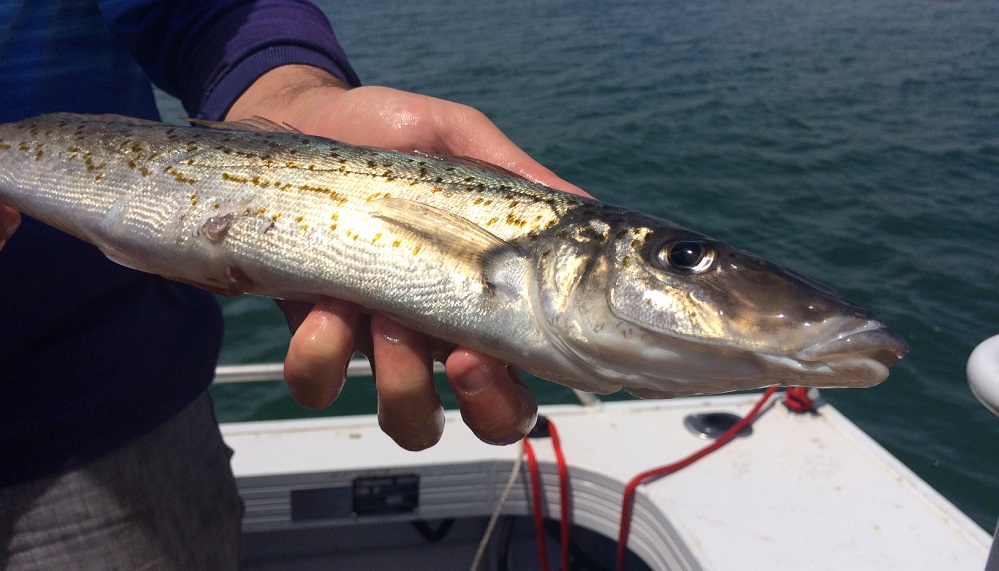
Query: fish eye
{"type": "Point", "coordinates": [686, 255]}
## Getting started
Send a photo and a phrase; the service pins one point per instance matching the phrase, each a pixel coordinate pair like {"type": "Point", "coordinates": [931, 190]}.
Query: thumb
{"type": "Point", "coordinates": [10, 219]}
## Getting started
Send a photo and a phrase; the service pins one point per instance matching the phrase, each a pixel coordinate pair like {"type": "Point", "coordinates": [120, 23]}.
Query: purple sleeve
{"type": "Point", "coordinates": [207, 53]}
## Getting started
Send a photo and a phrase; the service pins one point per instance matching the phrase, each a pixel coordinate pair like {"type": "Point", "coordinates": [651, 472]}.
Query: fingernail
{"type": "Point", "coordinates": [393, 332]}
{"type": "Point", "coordinates": [479, 378]}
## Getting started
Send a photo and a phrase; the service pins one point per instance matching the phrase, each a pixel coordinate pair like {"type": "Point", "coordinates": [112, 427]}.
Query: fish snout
{"type": "Point", "coordinates": [859, 352]}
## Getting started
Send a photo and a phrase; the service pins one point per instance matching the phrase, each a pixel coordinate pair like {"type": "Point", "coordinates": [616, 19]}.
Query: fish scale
{"type": "Point", "coordinates": [586, 294]}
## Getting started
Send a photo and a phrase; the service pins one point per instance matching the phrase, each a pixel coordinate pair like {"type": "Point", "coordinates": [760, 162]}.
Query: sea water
{"type": "Point", "coordinates": [854, 141]}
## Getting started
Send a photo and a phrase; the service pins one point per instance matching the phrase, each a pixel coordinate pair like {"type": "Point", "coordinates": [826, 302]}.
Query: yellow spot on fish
{"type": "Point", "coordinates": [334, 195]}
{"type": "Point", "coordinates": [396, 243]}
{"type": "Point", "coordinates": [234, 178]}
{"type": "Point", "coordinates": [416, 250]}
{"type": "Point", "coordinates": [170, 170]}
{"type": "Point", "coordinates": [376, 237]}
{"type": "Point", "coordinates": [275, 216]}
{"type": "Point", "coordinates": [514, 221]}
{"type": "Point", "coordinates": [298, 219]}
{"type": "Point", "coordinates": [492, 221]}
{"type": "Point", "coordinates": [332, 227]}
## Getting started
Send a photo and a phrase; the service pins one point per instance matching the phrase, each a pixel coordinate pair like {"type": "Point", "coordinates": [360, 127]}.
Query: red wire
{"type": "Point", "coordinates": [563, 481]}
{"type": "Point", "coordinates": [564, 495]}
{"type": "Point", "coordinates": [532, 464]}
{"type": "Point", "coordinates": [648, 475]}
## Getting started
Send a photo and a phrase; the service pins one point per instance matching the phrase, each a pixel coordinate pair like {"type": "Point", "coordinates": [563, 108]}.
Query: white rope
{"type": "Point", "coordinates": [484, 542]}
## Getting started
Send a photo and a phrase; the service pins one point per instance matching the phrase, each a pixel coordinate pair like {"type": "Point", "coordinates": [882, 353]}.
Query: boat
{"type": "Point", "coordinates": [794, 486]}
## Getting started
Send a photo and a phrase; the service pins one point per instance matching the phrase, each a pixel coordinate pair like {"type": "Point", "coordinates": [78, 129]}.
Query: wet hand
{"type": "Point", "coordinates": [494, 402]}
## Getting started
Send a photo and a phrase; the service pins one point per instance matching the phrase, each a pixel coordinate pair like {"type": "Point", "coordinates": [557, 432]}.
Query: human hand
{"type": "Point", "coordinates": [494, 402]}
{"type": "Point", "coordinates": [10, 219]}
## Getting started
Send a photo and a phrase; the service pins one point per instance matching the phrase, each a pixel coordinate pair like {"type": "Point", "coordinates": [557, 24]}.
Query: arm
{"type": "Point", "coordinates": [494, 403]}
{"type": "Point", "coordinates": [208, 52]}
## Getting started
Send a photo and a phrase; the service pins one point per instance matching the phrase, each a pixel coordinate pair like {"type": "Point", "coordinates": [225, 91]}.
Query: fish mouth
{"type": "Point", "coordinates": [858, 354]}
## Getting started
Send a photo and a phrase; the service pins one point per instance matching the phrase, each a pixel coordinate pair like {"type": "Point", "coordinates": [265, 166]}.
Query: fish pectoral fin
{"type": "Point", "coordinates": [253, 124]}
{"type": "Point", "coordinates": [452, 233]}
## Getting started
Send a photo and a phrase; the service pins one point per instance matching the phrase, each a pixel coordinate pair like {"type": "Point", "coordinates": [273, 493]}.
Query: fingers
{"type": "Point", "coordinates": [409, 409]}
{"type": "Point", "coordinates": [322, 344]}
{"type": "Point", "coordinates": [494, 402]}
{"type": "Point", "coordinates": [10, 219]}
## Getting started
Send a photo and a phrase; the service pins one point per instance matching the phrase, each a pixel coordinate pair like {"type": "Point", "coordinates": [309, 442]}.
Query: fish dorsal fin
{"type": "Point", "coordinates": [452, 233]}
{"type": "Point", "coordinates": [463, 161]}
{"type": "Point", "coordinates": [107, 117]}
{"type": "Point", "coordinates": [253, 124]}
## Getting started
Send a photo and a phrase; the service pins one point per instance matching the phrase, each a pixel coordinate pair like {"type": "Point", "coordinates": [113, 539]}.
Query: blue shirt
{"type": "Point", "coordinates": [93, 354]}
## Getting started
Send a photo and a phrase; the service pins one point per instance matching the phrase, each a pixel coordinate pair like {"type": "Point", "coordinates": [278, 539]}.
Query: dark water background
{"type": "Point", "coordinates": [855, 141]}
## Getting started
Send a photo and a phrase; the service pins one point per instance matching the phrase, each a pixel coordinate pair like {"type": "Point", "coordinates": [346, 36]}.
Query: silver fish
{"type": "Point", "coordinates": [586, 294]}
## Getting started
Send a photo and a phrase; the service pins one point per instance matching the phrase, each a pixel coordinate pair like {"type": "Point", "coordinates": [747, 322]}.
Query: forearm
{"type": "Point", "coordinates": [209, 53]}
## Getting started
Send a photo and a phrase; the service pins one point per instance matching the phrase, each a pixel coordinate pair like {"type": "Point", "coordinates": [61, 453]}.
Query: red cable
{"type": "Point", "coordinates": [563, 480]}
{"type": "Point", "coordinates": [564, 495]}
{"type": "Point", "coordinates": [629, 490]}
{"type": "Point", "coordinates": [532, 464]}
{"type": "Point", "coordinates": [797, 399]}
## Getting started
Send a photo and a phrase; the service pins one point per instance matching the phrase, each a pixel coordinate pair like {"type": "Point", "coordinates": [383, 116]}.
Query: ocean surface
{"type": "Point", "coordinates": [854, 141]}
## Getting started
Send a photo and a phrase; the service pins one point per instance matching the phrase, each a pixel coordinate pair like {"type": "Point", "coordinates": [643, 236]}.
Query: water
{"type": "Point", "coordinates": [855, 141]}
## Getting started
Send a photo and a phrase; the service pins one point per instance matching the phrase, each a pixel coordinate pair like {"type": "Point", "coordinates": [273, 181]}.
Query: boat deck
{"type": "Point", "coordinates": [803, 491]}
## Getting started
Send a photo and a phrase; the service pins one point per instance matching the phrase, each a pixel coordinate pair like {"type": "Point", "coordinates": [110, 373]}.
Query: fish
{"type": "Point", "coordinates": [583, 293]}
